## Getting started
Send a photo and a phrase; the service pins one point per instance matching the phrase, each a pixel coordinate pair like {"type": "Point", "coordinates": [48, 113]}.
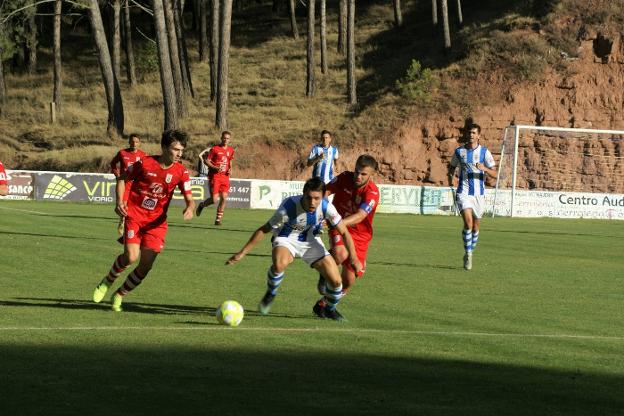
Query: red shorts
{"type": "Point", "coordinates": [145, 233]}
{"type": "Point", "coordinates": [219, 184]}
{"type": "Point", "coordinates": [361, 248]}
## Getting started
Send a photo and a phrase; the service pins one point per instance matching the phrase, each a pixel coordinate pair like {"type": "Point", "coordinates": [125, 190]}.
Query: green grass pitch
{"type": "Point", "coordinates": [535, 328]}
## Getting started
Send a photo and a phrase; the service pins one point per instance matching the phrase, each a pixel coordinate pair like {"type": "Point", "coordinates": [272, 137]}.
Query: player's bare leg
{"type": "Point", "coordinates": [146, 261]}
{"type": "Point", "coordinates": [467, 216]}
{"type": "Point", "coordinates": [333, 287]}
{"type": "Point", "coordinates": [220, 207]}
{"type": "Point", "coordinates": [281, 259]}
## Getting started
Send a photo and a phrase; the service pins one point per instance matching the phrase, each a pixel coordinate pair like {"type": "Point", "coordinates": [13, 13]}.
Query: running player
{"type": "Point", "coordinates": [152, 181]}
{"type": "Point", "coordinates": [219, 161]}
{"type": "Point", "coordinates": [474, 161]}
{"type": "Point", "coordinates": [323, 157]}
{"type": "Point", "coordinates": [296, 226]}
{"type": "Point", "coordinates": [4, 181]}
{"type": "Point", "coordinates": [124, 159]}
{"type": "Point", "coordinates": [356, 198]}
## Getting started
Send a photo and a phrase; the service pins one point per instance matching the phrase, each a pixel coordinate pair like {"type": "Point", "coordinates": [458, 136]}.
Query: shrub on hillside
{"type": "Point", "coordinates": [418, 84]}
{"type": "Point", "coordinates": [147, 58]}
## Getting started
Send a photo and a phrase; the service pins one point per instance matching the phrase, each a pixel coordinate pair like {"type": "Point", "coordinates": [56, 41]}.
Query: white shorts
{"type": "Point", "coordinates": [309, 251]}
{"type": "Point", "coordinates": [473, 202]}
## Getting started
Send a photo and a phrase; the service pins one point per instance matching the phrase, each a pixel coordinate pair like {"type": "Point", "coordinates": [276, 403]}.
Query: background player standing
{"type": "Point", "coordinates": [219, 162]}
{"type": "Point", "coordinates": [356, 198]}
{"type": "Point", "coordinates": [323, 156]}
{"type": "Point", "coordinates": [152, 181]}
{"type": "Point", "coordinates": [4, 181]}
{"type": "Point", "coordinates": [124, 159]}
{"type": "Point", "coordinates": [474, 161]}
{"type": "Point", "coordinates": [296, 225]}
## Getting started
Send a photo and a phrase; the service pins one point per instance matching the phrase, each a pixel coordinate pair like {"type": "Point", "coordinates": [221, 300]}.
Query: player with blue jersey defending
{"type": "Point", "coordinates": [474, 161]}
{"type": "Point", "coordinates": [296, 226]}
{"type": "Point", "coordinates": [323, 157]}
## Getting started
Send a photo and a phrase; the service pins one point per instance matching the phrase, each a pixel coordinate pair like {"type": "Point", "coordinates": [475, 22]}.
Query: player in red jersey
{"type": "Point", "coordinates": [4, 181]}
{"type": "Point", "coordinates": [356, 198]}
{"type": "Point", "coordinates": [152, 181]}
{"type": "Point", "coordinates": [122, 160]}
{"type": "Point", "coordinates": [219, 162]}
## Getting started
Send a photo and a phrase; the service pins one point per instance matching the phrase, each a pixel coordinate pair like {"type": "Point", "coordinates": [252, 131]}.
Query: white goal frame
{"type": "Point", "coordinates": [515, 130]}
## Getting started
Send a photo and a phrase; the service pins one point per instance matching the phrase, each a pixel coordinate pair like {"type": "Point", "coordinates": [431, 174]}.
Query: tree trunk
{"type": "Point", "coordinates": [130, 66]}
{"type": "Point", "coordinates": [310, 55]}
{"type": "Point", "coordinates": [2, 86]}
{"type": "Point", "coordinates": [174, 57]}
{"type": "Point", "coordinates": [224, 58]}
{"type": "Point", "coordinates": [214, 50]}
{"type": "Point", "coordinates": [351, 81]}
{"type": "Point", "coordinates": [111, 84]}
{"type": "Point", "coordinates": [445, 24]}
{"type": "Point", "coordinates": [342, 27]}
{"type": "Point", "coordinates": [31, 37]}
{"type": "Point", "coordinates": [183, 52]}
{"type": "Point", "coordinates": [2, 83]}
{"type": "Point", "coordinates": [203, 30]}
{"type": "Point", "coordinates": [460, 16]}
{"type": "Point", "coordinates": [434, 13]}
{"type": "Point", "coordinates": [164, 58]}
{"type": "Point", "coordinates": [58, 80]}
{"type": "Point", "coordinates": [323, 38]}
{"type": "Point", "coordinates": [398, 15]}
{"type": "Point", "coordinates": [293, 19]}
{"type": "Point", "coordinates": [116, 36]}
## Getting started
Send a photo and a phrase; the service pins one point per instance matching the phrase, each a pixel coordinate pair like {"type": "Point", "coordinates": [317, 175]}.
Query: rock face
{"type": "Point", "coordinates": [590, 95]}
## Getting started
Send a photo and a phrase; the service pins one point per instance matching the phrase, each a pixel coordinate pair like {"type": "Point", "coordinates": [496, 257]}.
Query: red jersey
{"type": "Point", "coordinates": [348, 199]}
{"type": "Point", "coordinates": [152, 188]}
{"type": "Point", "coordinates": [124, 159]}
{"type": "Point", "coordinates": [222, 157]}
{"type": "Point", "coordinates": [4, 180]}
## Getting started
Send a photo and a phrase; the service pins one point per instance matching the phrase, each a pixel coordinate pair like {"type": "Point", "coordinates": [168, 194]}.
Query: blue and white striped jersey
{"type": "Point", "coordinates": [292, 221]}
{"type": "Point", "coordinates": [324, 168]}
{"type": "Point", "coordinates": [471, 179]}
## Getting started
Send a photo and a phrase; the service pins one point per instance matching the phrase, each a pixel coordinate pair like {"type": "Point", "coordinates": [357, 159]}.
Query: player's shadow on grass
{"type": "Point", "coordinates": [211, 227]}
{"type": "Point", "coordinates": [135, 307]}
{"type": "Point", "coordinates": [78, 237]}
{"type": "Point", "coordinates": [415, 265]}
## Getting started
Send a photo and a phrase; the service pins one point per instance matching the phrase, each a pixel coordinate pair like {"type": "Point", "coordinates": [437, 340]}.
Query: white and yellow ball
{"type": "Point", "coordinates": [230, 313]}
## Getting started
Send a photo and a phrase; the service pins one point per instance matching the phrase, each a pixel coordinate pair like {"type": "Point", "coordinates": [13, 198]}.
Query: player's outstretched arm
{"type": "Point", "coordinates": [353, 258]}
{"type": "Point", "coordinates": [187, 214]}
{"type": "Point", "coordinates": [121, 207]}
{"type": "Point", "coordinates": [255, 238]}
{"type": "Point", "coordinates": [354, 218]}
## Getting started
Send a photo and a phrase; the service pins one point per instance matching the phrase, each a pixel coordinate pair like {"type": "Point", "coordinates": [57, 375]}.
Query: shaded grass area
{"type": "Point", "coordinates": [533, 329]}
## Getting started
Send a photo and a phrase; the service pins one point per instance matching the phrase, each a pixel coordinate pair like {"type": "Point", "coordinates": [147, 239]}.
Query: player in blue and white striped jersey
{"type": "Point", "coordinates": [296, 226]}
{"type": "Point", "coordinates": [323, 156]}
{"type": "Point", "coordinates": [474, 161]}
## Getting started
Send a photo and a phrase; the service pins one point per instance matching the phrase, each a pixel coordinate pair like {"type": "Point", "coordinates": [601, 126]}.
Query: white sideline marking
{"type": "Point", "coordinates": [355, 330]}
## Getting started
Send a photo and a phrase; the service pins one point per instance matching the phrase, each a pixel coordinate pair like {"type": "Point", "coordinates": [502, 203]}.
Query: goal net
{"type": "Point", "coordinates": [560, 172]}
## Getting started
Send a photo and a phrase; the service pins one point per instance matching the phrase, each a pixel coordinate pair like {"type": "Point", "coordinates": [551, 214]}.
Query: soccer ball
{"type": "Point", "coordinates": [230, 313]}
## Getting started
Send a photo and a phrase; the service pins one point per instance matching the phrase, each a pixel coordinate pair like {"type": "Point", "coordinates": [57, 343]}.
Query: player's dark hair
{"type": "Point", "coordinates": [170, 136]}
{"type": "Point", "coordinates": [325, 132]}
{"type": "Point", "coordinates": [475, 126]}
{"type": "Point", "coordinates": [366, 161]}
{"type": "Point", "coordinates": [224, 132]}
{"type": "Point", "coordinates": [314, 184]}
{"type": "Point", "coordinates": [134, 135]}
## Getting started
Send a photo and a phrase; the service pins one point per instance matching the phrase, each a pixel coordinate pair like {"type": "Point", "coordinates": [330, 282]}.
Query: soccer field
{"type": "Point", "coordinates": [535, 328]}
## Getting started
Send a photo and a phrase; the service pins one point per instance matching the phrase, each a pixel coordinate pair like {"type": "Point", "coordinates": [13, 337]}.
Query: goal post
{"type": "Point", "coordinates": [538, 161]}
